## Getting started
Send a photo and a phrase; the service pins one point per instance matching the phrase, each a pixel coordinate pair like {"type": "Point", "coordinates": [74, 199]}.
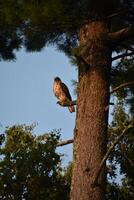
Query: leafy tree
{"type": "Point", "coordinates": [30, 168]}
{"type": "Point", "coordinates": [88, 31]}
{"type": "Point", "coordinates": [122, 156]}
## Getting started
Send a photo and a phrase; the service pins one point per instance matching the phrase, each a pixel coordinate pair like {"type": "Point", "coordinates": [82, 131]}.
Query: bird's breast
{"type": "Point", "coordinates": [56, 89]}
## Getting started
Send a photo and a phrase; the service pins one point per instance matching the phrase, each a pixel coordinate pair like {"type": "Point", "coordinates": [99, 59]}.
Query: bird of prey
{"type": "Point", "coordinates": [62, 93]}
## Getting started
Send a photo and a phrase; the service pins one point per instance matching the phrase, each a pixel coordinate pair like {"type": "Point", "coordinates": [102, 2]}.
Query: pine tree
{"type": "Point", "coordinates": [89, 31]}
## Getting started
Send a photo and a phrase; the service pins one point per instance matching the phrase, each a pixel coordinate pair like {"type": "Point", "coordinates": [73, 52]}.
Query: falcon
{"type": "Point", "coordinates": [61, 91]}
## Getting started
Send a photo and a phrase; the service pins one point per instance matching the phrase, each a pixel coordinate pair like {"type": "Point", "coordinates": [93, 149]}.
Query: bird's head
{"type": "Point", "coordinates": [57, 79]}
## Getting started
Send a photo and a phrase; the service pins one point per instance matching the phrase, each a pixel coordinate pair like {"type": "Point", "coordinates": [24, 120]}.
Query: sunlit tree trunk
{"type": "Point", "coordinates": [90, 137]}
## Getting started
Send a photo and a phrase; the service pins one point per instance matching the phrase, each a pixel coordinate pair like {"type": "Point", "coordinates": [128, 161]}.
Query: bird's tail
{"type": "Point", "coordinates": [71, 108]}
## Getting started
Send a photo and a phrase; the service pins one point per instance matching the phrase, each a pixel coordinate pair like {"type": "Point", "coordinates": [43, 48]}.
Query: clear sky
{"type": "Point", "coordinates": [27, 95]}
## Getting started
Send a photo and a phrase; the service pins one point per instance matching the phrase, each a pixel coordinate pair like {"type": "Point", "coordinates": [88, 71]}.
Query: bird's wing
{"type": "Point", "coordinates": [65, 90]}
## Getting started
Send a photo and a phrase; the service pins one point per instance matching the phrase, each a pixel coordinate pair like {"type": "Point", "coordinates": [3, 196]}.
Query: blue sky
{"type": "Point", "coordinates": [27, 95]}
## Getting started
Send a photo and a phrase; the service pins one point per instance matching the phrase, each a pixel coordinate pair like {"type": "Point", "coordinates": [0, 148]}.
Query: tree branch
{"type": "Point", "coordinates": [119, 13]}
{"type": "Point", "coordinates": [122, 56]}
{"type": "Point", "coordinates": [107, 107]}
{"type": "Point", "coordinates": [72, 103]}
{"type": "Point", "coordinates": [116, 89]}
{"type": "Point", "coordinates": [62, 143]}
{"type": "Point", "coordinates": [128, 47]}
{"type": "Point", "coordinates": [67, 103]}
{"type": "Point", "coordinates": [80, 59]}
{"type": "Point", "coordinates": [129, 161]}
{"type": "Point", "coordinates": [122, 86]}
{"type": "Point", "coordinates": [131, 125]}
{"type": "Point", "coordinates": [121, 35]}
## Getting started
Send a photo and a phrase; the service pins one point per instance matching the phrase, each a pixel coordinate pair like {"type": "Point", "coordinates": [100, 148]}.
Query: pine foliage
{"type": "Point", "coordinates": [35, 24]}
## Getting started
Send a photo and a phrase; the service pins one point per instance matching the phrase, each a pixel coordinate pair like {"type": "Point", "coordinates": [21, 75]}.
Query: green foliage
{"type": "Point", "coordinates": [10, 36]}
{"type": "Point", "coordinates": [116, 192]}
{"type": "Point", "coordinates": [35, 24]}
{"type": "Point", "coordinates": [124, 71]}
{"type": "Point", "coordinates": [30, 168]}
{"type": "Point", "coordinates": [122, 156]}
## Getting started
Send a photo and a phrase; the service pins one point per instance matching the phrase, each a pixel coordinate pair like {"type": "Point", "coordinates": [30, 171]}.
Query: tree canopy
{"type": "Point", "coordinates": [30, 167]}
{"type": "Point", "coordinates": [35, 24]}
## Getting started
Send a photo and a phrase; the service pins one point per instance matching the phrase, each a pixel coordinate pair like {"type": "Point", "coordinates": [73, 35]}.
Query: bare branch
{"type": "Point", "coordinates": [121, 35]}
{"type": "Point", "coordinates": [62, 143]}
{"type": "Point", "coordinates": [67, 103]}
{"type": "Point", "coordinates": [122, 86]}
{"type": "Point", "coordinates": [119, 13]}
{"type": "Point", "coordinates": [131, 125]}
{"type": "Point", "coordinates": [107, 107]}
{"type": "Point", "coordinates": [113, 15]}
{"type": "Point", "coordinates": [118, 88]}
{"type": "Point", "coordinates": [122, 56]}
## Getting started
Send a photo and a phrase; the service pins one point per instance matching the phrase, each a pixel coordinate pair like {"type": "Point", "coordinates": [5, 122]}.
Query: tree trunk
{"type": "Point", "coordinates": [90, 137]}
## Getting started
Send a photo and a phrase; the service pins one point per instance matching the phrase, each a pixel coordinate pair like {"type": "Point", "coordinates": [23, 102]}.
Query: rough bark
{"type": "Point", "coordinates": [90, 137]}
